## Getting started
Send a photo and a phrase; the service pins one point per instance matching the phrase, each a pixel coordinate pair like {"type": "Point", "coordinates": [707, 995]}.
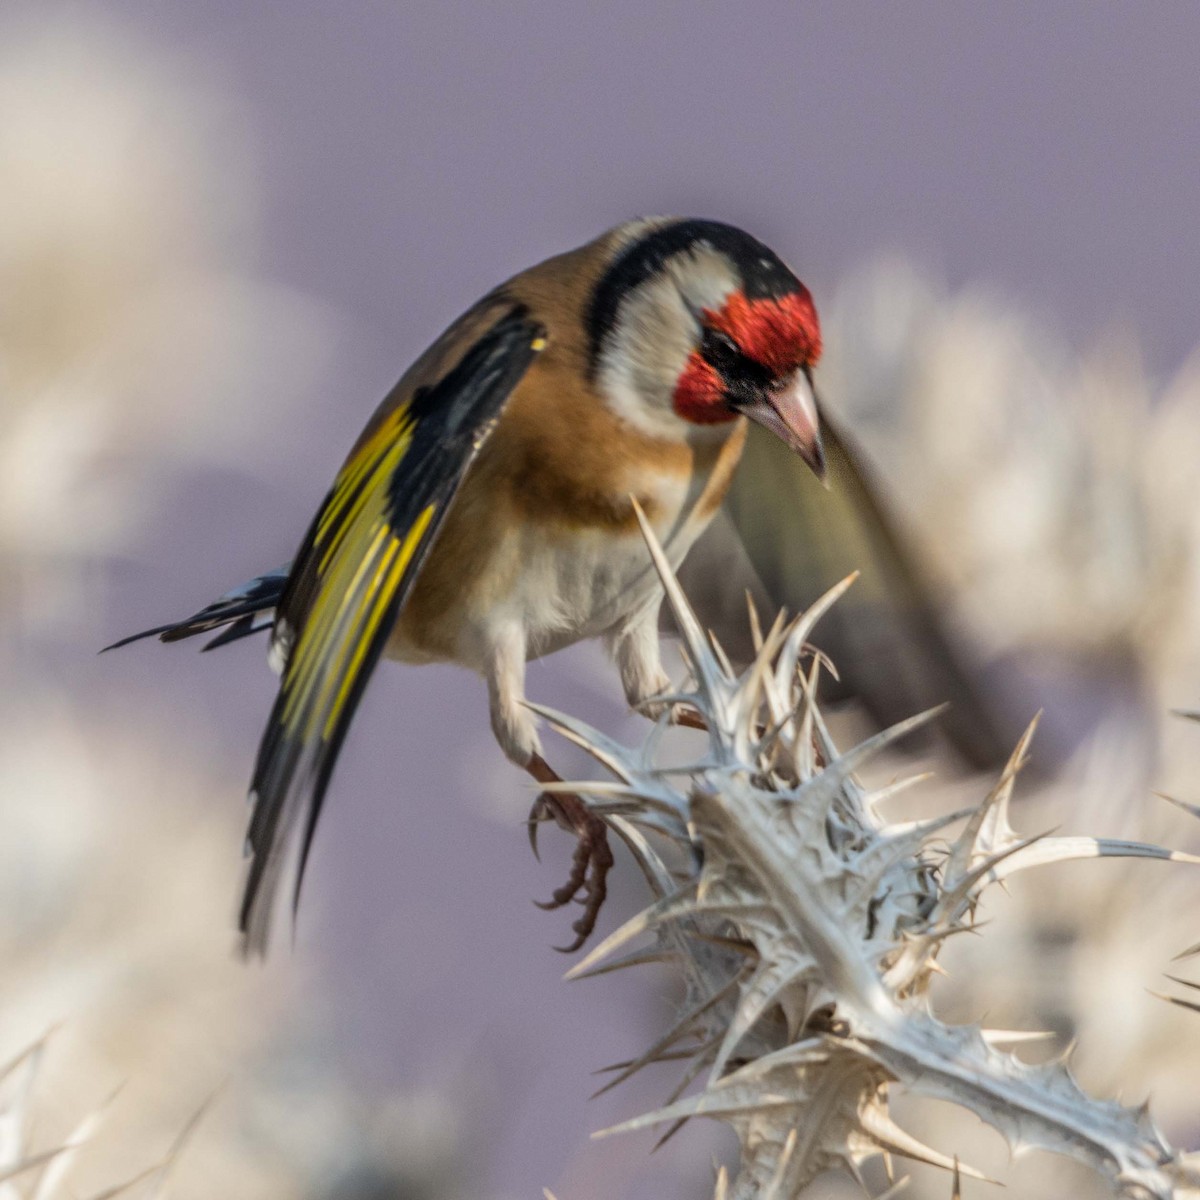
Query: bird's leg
{"type": "Point", "coordinates": [636, 649]}
{"type": "Point", "coordinates": [593, 857]}
{"type": "Point", "coordinates": [516, 731]}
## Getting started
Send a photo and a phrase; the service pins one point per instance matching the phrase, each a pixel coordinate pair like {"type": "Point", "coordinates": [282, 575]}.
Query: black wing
{"type": "Point", "coordinates": [350, 580]}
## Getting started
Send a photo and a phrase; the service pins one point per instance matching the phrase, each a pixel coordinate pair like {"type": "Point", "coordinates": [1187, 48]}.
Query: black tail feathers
{"type": "Point", "coordinates": [237, 614]}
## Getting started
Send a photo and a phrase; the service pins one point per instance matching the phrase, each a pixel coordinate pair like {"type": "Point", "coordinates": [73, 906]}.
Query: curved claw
{"type": "Point", "coordinates": [537, 814]}
{"type": "Point", "coordinates": [589, 872]}
{"type": "Point", "coordinates": [591, 861]}
{"type": "Point", "coordinates": [575, 945]}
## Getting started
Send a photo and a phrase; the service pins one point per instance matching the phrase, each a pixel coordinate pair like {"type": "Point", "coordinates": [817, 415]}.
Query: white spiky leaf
{"type": "Point", "coordinates": [806, 928]}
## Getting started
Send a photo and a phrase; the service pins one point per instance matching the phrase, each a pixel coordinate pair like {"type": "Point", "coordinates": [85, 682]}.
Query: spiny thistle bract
{"type": "Point", "coordinates": [807, 928]}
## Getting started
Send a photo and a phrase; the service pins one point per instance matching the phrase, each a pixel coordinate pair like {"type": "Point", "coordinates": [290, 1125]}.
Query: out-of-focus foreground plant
{"type": "Point", "coordinates": [139, 343]}
{"type": "Point", "coordinates": [136, 335]}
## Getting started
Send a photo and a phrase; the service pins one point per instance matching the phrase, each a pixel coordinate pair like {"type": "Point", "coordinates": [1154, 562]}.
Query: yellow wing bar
{"type": "Point", "coordinates": [351, 578]}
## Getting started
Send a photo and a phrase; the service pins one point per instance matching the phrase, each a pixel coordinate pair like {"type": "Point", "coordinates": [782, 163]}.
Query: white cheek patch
{"type": "Point", "coordinates": [655, 333]}
{"type": "Point", "coordinates": [703, 278]}
{"type": "Point", "coordinates": [643, 358]}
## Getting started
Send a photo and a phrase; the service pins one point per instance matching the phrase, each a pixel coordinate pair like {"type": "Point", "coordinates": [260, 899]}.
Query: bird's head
{"type": "Point", "coordinates": [695, 323]}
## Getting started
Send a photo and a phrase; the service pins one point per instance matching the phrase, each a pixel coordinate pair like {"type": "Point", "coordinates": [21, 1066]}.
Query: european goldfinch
{"type": "Point", "coordinates": [486, 516]}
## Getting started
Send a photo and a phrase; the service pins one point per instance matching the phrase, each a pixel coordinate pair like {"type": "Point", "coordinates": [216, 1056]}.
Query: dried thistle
{"type": "Point", "coordinates": [807, 928]}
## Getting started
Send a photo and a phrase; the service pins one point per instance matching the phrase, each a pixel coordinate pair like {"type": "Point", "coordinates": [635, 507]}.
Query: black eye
{"type": "Point", "coordinates": [719, 350]}
{"type": "Point", "coordinates": [742, 375]}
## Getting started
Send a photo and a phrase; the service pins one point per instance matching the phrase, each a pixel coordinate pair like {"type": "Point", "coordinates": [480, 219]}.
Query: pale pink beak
{"type": "Point", "coordinates": [791, 415]}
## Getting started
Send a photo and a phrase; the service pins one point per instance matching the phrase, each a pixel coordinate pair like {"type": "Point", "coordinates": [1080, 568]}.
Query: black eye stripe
{"type": "Point", "coordinates": [718, 349]}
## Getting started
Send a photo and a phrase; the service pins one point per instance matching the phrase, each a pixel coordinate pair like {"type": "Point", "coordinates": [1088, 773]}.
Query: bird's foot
{"type": "Point", "coordinates": [654, 709]}
{"type": "Point", "coordinates": [688, 718]}
{"type": "Point", "coordinates": [592, 859]}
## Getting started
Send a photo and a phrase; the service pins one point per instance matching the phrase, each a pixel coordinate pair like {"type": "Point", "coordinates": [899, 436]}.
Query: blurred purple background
{"type": "Point", "coordinates": [415, 154]}
{"type": "Point", "coordinates": [409, 157]}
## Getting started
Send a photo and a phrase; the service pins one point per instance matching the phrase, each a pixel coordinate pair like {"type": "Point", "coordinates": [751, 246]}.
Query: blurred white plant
{"type": "Point", "coordinates": [1053, 492]}
{"type": "Point", "coordinates": [136, 338]}
{"type": "Point", "coordinates": [133, 330]}
{"type": "Point", "coordinates": [115, 884]}
{"type": "Point", "coordinates": [117, 930]}
{"type": "Point", "coordinates": [807, 928]}
{"type": "Point", "coordinates": [44, 1172]}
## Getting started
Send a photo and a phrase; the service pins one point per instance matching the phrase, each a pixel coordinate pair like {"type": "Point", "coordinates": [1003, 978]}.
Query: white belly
{"type": "Point", "coordinates": [584, 583]}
